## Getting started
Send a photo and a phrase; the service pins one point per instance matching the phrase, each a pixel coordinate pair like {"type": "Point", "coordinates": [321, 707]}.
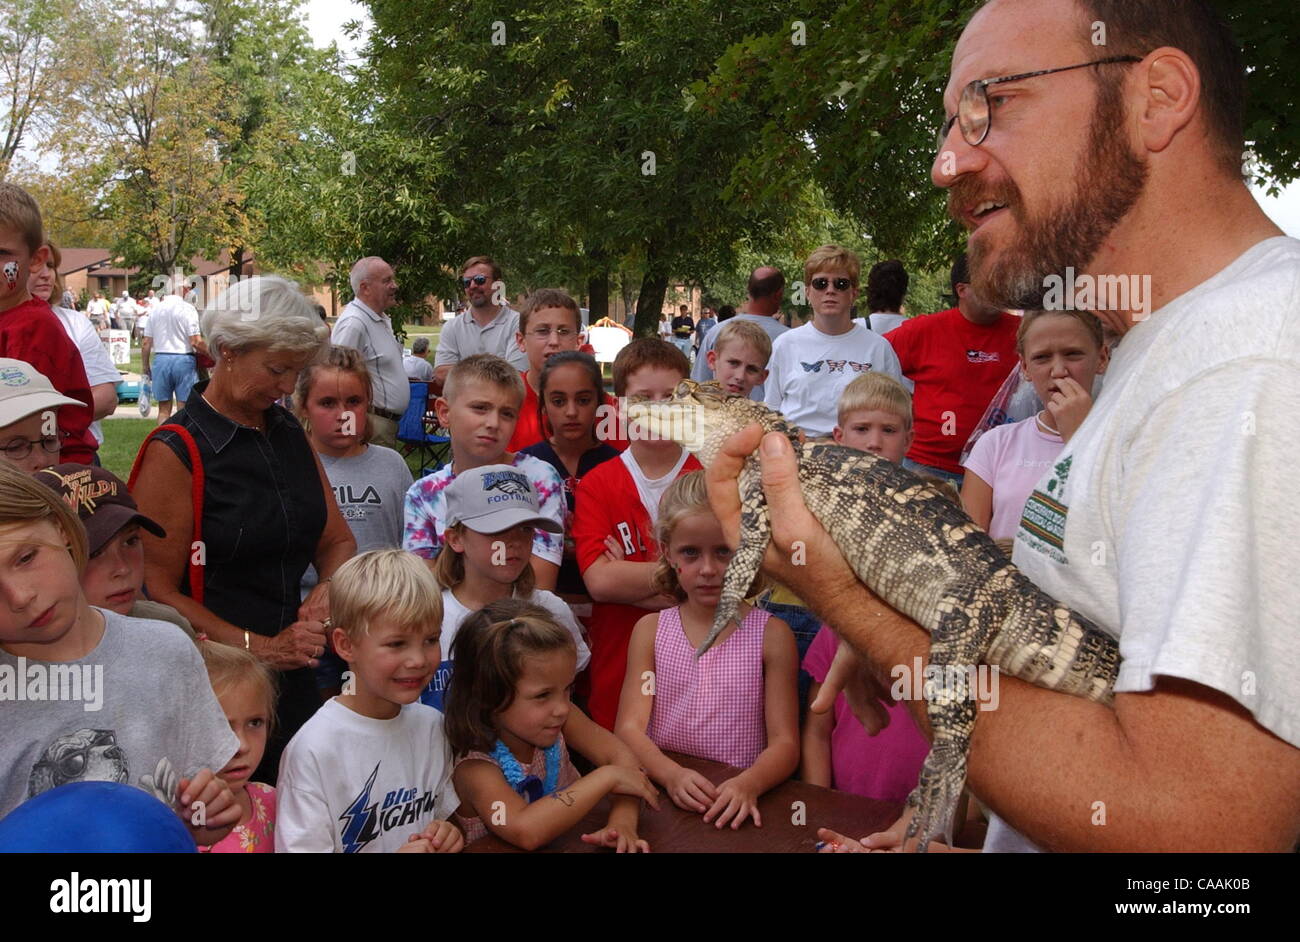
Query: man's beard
{"type": "Point", "coordinates": [1110, 182]}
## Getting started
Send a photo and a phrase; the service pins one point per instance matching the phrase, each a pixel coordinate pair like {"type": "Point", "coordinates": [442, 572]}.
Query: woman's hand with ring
{"type": "Point", "coordinates": [298, 645]}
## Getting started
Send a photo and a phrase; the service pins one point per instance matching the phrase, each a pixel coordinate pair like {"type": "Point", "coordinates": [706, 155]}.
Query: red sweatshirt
{"type": "Point", "coordinates": [31, 332]}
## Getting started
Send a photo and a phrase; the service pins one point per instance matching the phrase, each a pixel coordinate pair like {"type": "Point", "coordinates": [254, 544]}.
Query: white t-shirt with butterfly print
{"type": "Point", "coordinates": [809, 370]}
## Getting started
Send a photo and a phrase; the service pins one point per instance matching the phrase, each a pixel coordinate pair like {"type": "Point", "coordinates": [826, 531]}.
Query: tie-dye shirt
{"type": "Point", "coordinates": [425, 513]}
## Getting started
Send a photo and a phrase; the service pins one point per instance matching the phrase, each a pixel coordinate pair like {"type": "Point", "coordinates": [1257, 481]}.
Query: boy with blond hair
{"type": "Point", "coordinates": [29, 331]}
{"type": "Point", "coordinates": [740, 356]}
{"type": "Point", "coordinates": [613, 523]}
{"type": "Point", "coordinates": [479, 407]}
{"type": "Point", "coordinates": [875, 415]}
{"type": "Point", "coordinates": [371, 770]}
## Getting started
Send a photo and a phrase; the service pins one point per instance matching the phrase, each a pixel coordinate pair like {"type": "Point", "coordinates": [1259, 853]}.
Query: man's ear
{"type": "Point", "coordinates": [1168, 96]}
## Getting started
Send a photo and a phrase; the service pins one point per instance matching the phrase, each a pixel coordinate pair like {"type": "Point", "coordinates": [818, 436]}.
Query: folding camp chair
{"type": "Point", "coordinates": [415, 433]}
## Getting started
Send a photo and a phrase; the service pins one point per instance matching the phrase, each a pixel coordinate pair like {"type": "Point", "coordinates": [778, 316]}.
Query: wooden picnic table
{"type": "Point", "coordinates": [792, 813]}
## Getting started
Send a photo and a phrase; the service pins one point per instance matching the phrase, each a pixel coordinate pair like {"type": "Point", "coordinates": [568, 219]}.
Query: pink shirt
{"type": "Point", "coordinates": [257, 834]}
{"type": "Point", "coordinates": [1011, 459]}
{"type": "Point", "coordinates": [712, 707]}
{"type": "Point", "coordinates": [885, 766]}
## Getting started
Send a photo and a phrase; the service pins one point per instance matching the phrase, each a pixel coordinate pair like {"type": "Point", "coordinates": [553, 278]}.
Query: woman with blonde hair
{"type": "Point", "coordinates": [244, 500]}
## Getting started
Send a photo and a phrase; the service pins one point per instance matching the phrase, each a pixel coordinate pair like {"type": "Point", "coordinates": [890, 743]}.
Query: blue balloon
{"type": "Point", "coordinates": [94, 818]}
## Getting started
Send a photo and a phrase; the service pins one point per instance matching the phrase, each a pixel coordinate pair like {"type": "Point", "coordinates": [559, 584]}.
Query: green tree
{"type": "Point", "coordinates": [854, 93]}
{"type": "Point", "coordinates": [33, 74]}
{"type": "Point", "coordinates": [559, 137]}
{"type": "Point", "coordinates": [267, 65]}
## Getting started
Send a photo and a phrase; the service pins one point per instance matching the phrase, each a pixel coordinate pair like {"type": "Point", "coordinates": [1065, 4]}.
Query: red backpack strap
{"type": "Point", "coordinates": [196, 494]}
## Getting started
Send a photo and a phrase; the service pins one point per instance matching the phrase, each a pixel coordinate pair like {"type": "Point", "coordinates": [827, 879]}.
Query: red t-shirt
{"type": "Point", "coordinates": [609, 504]}
{"type": "Point", "coordinates": [533, 426]}
{"type": "Point", "coordinates": [528, 430]}
{"type": "Point", "coordinates": [31, 332]}
{"type": "Point", "coordinates": [957, 367]}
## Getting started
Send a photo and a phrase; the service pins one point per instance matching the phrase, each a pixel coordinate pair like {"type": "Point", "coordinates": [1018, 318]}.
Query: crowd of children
{"type": "Point", "coordinates": [541, 595]}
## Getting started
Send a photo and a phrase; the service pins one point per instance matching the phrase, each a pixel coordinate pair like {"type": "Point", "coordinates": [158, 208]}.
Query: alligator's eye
{"type": "Point", "coordinates": [634, 400]}
{"type": "Point", "coordinates": [684, 388]}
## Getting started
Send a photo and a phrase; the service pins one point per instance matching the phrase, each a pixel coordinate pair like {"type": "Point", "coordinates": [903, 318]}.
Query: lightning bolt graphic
{"type": "Point", "coordinates": [359, 818]}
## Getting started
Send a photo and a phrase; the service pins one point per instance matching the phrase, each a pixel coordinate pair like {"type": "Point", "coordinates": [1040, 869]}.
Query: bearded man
{"type": "Point", "coordinates": [1170, 517]}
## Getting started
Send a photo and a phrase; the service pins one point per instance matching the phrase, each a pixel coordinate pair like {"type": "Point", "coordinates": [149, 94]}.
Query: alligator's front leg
{"type": "Point", "coordinates": [755, 534]}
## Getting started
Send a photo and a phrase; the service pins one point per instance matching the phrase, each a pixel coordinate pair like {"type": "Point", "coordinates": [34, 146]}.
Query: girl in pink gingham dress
{"type": "Point", "coordinates": [737, 704]}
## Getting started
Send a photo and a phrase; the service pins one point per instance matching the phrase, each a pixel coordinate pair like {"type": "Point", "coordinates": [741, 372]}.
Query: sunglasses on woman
{"type": "Point", "coordinates": [841, 284]}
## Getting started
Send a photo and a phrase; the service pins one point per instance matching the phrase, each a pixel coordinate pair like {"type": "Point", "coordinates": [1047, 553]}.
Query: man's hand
{"type": "Point", "coordinates": [821, 570]}
{"type": "Point", "coordinates": [847, 674]}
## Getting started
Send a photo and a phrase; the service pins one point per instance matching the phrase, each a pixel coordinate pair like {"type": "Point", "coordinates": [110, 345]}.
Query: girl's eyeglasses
{"type": "Point", "coordinates": [973, 115]}
{"type": "Point", "coordinates": [841, 284]}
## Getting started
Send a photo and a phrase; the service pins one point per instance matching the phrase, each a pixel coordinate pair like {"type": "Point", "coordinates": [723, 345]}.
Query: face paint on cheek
{"type": "Point", "coordinates": [11, 274]}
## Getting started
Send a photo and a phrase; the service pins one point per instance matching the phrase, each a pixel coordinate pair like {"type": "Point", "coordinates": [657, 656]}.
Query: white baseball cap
{"type": "Point", "coordinates": [495, 498]}
{"type": "Point", "coordinates": [24, 391]}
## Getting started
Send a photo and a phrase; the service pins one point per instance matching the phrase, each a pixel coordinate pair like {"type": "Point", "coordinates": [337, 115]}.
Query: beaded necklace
{"type": "Point", "coordinates": [528, 786]}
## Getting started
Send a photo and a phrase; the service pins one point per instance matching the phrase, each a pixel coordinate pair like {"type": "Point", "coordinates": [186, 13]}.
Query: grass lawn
{"type": "Point", "coordinates": [122, 438]}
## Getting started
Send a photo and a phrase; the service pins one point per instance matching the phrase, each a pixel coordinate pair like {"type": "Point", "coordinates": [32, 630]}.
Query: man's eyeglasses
{"type": "Point", "coordinates": [542, 333]}
{"type": "Point", "coordinates": [20, 448]}
{"type": "Point", "coordinates": [841, 284]}
{"type": "Point", "coordinates": [479, 280]}
{"type": "Point", "coordinates": [973, 114]}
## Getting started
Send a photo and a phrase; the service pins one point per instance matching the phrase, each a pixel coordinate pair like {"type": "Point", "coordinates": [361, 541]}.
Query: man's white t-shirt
{"type": "Point", "coordinates": [1170, 517]}
{"type": "Point", "coordinates": [171, 325]}
{"type": "Point", "coordinates": [882, 322]}
{"type": "Point", "coordinates": [351, 783]}
{"type": "Point", "coordinates": [809, 370]}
